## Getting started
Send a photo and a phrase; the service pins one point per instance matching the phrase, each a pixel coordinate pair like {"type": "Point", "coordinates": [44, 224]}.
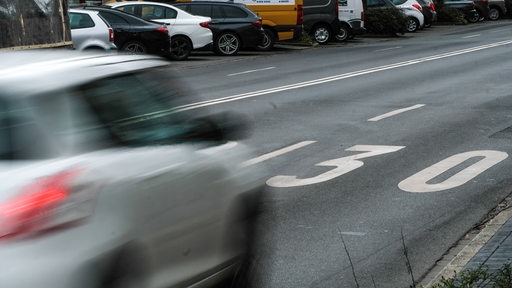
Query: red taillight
{"type": "Point", "coordinates": [432, 6]}
{"type": "Point", "coordinates": [257, 23]}
{"type": "Point", "coordinates": [362, 15]}
{"type": "Point", "coordinates": [205, 25]}
{"type": "Point", "coordinates": [111, 35]}
{"type": "Point", "coordinates": [417, 6]}
{"type": "Point", "coordinates": [43, 204]}
{"type": "Point", "coordinates": [300, 15]}
{"type": "Point", "coordinates": [163, 29]}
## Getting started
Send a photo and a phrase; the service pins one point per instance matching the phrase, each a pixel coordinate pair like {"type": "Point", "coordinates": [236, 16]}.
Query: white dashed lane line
{"type": "Point", "coordinates": [395, 112]}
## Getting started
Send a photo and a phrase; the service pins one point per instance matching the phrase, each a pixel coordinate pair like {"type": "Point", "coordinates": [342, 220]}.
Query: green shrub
{"type": "Point", "coordinates": [450, 14]}
{"type": "Point", "coordinates": [385, 21]}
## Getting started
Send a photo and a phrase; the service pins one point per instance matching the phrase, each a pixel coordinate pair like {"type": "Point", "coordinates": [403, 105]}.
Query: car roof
{"type": "Point", "coordinates": [123, 14]}
{"type": "Point", "coordinates": [61, 68]}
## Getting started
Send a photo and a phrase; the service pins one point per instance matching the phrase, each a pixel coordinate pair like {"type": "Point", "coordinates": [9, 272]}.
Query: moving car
{"type": "Point", "coordinates": [90, 31]}
{"type": "Point", "coordinates": [134, 34]}
{"type": "Point", "coordinates": [126, 187]}
{"type": "Point", "coordinates": [187, 31]}
{"type": "Point", "coordinates": [234, 26]}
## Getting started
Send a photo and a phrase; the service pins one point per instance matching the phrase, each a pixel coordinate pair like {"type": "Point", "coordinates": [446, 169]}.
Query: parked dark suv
{"type": "Point", "coordinates": [234, 26]}
{"type": "Point", "coordinates": [321, 19]}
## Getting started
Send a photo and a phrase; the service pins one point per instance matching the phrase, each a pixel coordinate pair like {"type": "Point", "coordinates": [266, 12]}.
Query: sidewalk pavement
{"type": "Point", "coordinates": [490, 247]}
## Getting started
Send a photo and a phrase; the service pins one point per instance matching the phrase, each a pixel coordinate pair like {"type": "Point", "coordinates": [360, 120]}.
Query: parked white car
{"type": "Point", "coordinates": [412, 9]}
{"type": "Point", "coordinates": [107, 179]}
{"type": "Point", "coordinates": [187, 31]}
{"type": "Point", "coordinates": [89, 31]}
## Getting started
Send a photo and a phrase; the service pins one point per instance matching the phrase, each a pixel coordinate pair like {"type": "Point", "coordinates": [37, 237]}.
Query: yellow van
{"type": "Point", "coordinates": [282, 19]}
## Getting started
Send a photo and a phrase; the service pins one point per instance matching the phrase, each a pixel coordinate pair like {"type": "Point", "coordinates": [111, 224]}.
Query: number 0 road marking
{"type": "Point", "coordinates": [418, 181]}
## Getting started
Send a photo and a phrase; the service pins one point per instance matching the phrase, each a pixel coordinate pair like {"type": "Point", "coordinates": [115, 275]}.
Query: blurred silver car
{"type": "Point", "coordinates": [108, 179]}
{"type": "Point", "coordinates": [90, 31]}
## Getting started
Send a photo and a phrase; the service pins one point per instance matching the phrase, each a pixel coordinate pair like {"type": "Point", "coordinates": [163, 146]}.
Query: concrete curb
{"type": "Point", "coordinates": [457, 258]}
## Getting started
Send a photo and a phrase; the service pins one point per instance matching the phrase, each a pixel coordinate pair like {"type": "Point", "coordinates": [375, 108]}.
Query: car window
{"type": "Point", "coordinates": [202, 10]}
{"type": "Point", "coordinates": [113, 19]}
{"type": "Point", "coordinates": [137, 109]}
{"type": "Point", "coordinates": [128, 9]}
{"type": "Point", "coordinates": [234, 12]}
{"type": "Point", "coordinates": [398, 2]}
{"type": "Point", "coordinates": [20, 131]}
{"type": "Point", "coordinates": [150, 12]}
{"type": "Point", "coordinates": [79, 20]}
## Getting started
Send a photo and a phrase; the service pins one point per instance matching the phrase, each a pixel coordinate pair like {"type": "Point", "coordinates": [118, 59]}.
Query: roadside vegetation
{"type": "Point", "coordinates": [481, 277]}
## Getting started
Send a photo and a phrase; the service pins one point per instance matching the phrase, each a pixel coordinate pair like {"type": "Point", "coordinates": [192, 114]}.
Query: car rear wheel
{"type": "Point", "coordinates": [227, 44]}
{"type": "Point", "coordinates": [180, 48]}
{"type": "Point", "coordinates": [473, 17]}
{"type": "Point", "coordinates": [321, 34]}
{"type": "Point", "coordinates": [343, 34]}
{"type": "Point", "coordinates": [412, 24]}
{"type": "Point", "coordinates": [494, 13]}
{"type": "Point", "coordinates": [135, 47]}
{"type": "Point", "coordinates": [269, 39]}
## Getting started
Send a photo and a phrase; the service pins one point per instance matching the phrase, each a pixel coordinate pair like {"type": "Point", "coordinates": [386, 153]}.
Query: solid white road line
{"type": "Point", "coordinates": [333, 78]}
{"type": "Point", "coordinates": [395, 112]}
{"type": "Point", "coordinates": [276, 153]}
{"type": "Point", "coordinates": [251, 71]}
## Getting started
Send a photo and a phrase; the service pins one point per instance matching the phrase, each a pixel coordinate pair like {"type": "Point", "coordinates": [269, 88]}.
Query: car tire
{"type": "Point", "coordinates": [412, 24]}
{"type": "Point", "coordinates": [343, 33]}
{"type": "Point", "coordinates": [227, 44]}
{"type": "Point", "coordinates": [134, 47]}
{"type": "Point", "coordinates": [321, 34]}
{"type": "Point", "coordinates": [180, 48]}
{"type": "Point", "coordinates": [269, 39]}
{"type": "Point", "coordinates": [474, 17]}
{"type": "Point", "coordinates": [494, 14]}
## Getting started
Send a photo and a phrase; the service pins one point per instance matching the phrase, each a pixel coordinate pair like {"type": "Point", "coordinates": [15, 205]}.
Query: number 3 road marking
{"type": "Point", "coordinates": [343, 165]}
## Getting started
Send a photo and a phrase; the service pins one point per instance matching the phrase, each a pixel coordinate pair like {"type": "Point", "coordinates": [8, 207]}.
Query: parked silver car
{"type": "Point", "coordinates": [109, 179]}
{"type": "Point", "coordinates": [90, 31]}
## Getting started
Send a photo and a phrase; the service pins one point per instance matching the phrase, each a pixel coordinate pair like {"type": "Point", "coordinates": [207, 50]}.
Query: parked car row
{"type": "Point", "coordinates": [227, 27]}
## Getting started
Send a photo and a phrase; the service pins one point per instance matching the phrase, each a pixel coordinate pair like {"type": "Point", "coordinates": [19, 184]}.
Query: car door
{"type": "Point", "coordinates": [175, 197]}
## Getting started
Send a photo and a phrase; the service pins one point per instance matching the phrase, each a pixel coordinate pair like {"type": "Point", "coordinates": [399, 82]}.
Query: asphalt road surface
{"type": "Point", "coordinates": [381, 152]}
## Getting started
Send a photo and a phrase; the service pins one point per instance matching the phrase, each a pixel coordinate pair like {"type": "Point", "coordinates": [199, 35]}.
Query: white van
{"type": "Point", "coordinates": [351, 16]}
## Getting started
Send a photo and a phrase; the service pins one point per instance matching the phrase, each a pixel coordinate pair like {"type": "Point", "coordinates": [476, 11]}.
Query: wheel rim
{"type": "Point", "coordinates": [228, 44]}
{"type": "Point", "coordinates": [411, 25]}
{"type": "Point", "coordinates": [266, 41]}
{"type": "Point", "coordinates": [342, 34]}
{"type": "Point", "coordinates": [136, 48]}
{"type": "Point", "coordinates": [494, 14]}
{"type": "Point", "coordinates": [321, 35]}
{"type": "Point", "coordinates": [180, 48]}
